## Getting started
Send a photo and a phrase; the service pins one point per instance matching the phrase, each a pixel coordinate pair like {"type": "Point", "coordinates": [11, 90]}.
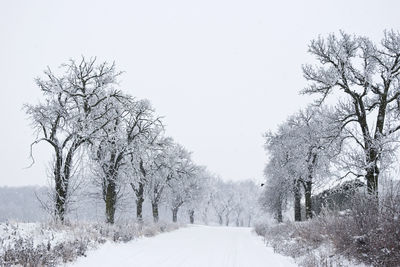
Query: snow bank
{"type": "Point", "coordinates": [33, 244]}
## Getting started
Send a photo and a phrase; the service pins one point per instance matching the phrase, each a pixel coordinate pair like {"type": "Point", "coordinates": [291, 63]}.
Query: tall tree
{"type": "Point", "coordinates": [368, 77]}
{"type": "Point", "coordinates": [318, 142]}
{"type": "Point", "coordinates": [282, 172]}
{"type": "Point", "coordinates": [161, 167]}
{"type": "Point", "coordinates": [303, 150]}
{"type": "Point", "coordinates": [198, 189]}
{"type": "Point", "coordinates": [277, 188]}
{"type": "Point", "coordinates": [184, 181]}
{"type": "Point", "coordinates": [143, 167]}
{"type": "Point", "coordinates": [131, 129]}
{"type": "Point", "coordinates": [71, 115]}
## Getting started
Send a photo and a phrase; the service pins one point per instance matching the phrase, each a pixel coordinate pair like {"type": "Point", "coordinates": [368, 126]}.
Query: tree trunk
{"type": "Point", "coordinates": [372, 172]}
{"type": "Point", "coordinates": [312, 161]}
{"type": "Point", "coordinates": [279, 216]}
{"type": "Point", "coordinates": [139, 209]}
{"type": "Point", "coordinates": [297, 201]}
{"type": "Point", "coordinates": [238, 221]}
{"type": "Point", "coordinates": [227, 220]}
{"type": "Point", "coordinates": [61, 187]}
{"type": "Point", "coordinates": [372, 180]}
{"type": "Point", "coordinates": [370, 150]}
{"type": "Point", "coordinates": [175, 214]}
{"type": "Point", "coordinates": [307, 194]}
{"type": "Point", "coordinates": [191, 216]}
{"type": "Point", "coordinates": [154, 206]}
{"type": "Point", "coordinates": [140, 193]}
{"type": "Point", "coordinates": [62, 176]}
{"type": "Point", "coordinates": [373, 154]}
{"type": "Point", "coordinates": [139, 202]}
{"type": "Point", "coordinates": [220, 220]}
{"type": "Point", "coordinates": [61, 195]}
{"type": "Point", "coordinates": [111, 199]}
{"type": "Point", "coordinates": [204, 217]}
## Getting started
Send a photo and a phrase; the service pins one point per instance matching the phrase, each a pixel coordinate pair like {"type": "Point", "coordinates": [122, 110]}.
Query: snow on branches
{"type": "Point", "coordinates": [123, 150]}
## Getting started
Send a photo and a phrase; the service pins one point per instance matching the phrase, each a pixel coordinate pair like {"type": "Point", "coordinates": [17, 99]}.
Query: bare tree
{"type": "Point", "coordinates": [301, 152]}
{"type": "Point", "coordinates": [277, 189]}
{"type": "Point", "coordinates": [184, 181]}
{"type": "Point", "coordinates": [368, 76]}
{"type": "Point", "coordinates": [198, 189]}
{"type": "Point", "coordinates": [217, 199]}
{"type": "Point", "coordinates": [318, 141]}
{"type": "Point", "coordinates": [130, 129]}
{"type": "Point", "coordinates": [71, 115]}
{"type": "Point", "coordinates": [161, 167]}
{"type": "Point", "coordinates": [144, 167]}
{"type": "Point", "coordinates": [121, 146]}
{"type": "Point", "coordinates": [282, 173]}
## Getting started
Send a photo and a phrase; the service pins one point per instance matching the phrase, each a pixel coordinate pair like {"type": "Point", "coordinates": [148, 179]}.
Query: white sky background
{"type": "Point", "coordinates": [221, 72]}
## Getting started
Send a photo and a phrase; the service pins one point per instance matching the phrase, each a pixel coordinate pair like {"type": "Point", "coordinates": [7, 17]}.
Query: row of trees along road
{"type": "Point", "coordinates": [96, 130]}
{"type": "Point", "coordinates": [355, 137]}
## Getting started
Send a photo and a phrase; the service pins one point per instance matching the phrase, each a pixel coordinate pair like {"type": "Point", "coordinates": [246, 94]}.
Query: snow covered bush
{"type": "Point", "coordinates": [153, 229]}
{"type": "Point", "coordinates": [30, 244]}
{"type": "Point", "coordinates": [297, 239]}
{"type": "Point", "coordinates": [41, 245]}
{"type": "Point", "coordinates": [369, 233]}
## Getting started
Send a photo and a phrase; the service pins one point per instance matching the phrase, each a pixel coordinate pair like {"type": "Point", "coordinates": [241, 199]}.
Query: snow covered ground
{"type": "Point", "coordinates": [194, 246]}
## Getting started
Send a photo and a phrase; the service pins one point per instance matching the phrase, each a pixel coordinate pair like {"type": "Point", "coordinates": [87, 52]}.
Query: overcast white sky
{"type": "Point", "coordinates": [221, 72]}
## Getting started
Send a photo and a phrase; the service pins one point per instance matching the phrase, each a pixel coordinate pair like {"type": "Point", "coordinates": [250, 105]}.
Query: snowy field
{"type": "Point", "coordinates": [197, 246]}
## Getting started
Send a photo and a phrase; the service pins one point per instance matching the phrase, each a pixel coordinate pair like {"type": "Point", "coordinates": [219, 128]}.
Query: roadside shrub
{"type": "Point", "coordinates": [53, 244]}
{"type": "Point", "coordinates": [369, 233]}
{"type": "Point", "coordinates": [24, 253]}
{"type": "Point", "coordinates": [261, 228]}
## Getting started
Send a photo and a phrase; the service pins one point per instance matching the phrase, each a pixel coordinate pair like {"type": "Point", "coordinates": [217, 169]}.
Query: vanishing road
{"type": "Point", "coordinates": [193, 246]}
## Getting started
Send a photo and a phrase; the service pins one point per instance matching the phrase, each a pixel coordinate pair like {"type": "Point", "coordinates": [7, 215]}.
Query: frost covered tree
{"type": "Point", "coordinates": [198, 191]}
{"type": "Point", "coordinates": [71, 115]}
{"type": "Point", "coordinates": [223, 200]}
{"type": "Point", "coordinates": [107, 158]}
{"type": "Point", "coordinates": [367, 77]}
{"type": "Point", "coordinates": [140, 176]}
{"type": "Point", "coordinates": [273, 200]}
{"type": "Point", "coordinates": [318, 141]}
{"type": "Point", "coordinates": [282, 173]}
{"type": "Point", "coordinates": [143, 128]}
{"type": "Point", "coordinates": [131, 129]}
{"type": "Point", "coordinates": [230, 201]}
{"type": "Point", "coordinates": [161, 166]}
{"type": "Point", "coordinates": [246, 196]}
{"type": "Point", "coordinates": [276, 191]}
{"type": "Point", "coordinates": [204, 207]}
{"type": "Point", "coordinates": [250, 193]}
{"type": "Point", "coordinates": [184, 182]}
{"type": "Point", "coordinates": [300, 154]}
{"type": "Point", "coordinates": [217, 200]}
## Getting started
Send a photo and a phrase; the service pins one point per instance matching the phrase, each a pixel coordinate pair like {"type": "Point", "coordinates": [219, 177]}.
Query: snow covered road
{"type": "Point", "coordinates": [193, 246]}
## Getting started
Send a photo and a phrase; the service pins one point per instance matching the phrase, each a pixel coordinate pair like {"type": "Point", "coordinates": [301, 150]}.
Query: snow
{"type": "Point", "coordinates": [39, 233]}
{"type": "Point", "coordinates": [193, 246]}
